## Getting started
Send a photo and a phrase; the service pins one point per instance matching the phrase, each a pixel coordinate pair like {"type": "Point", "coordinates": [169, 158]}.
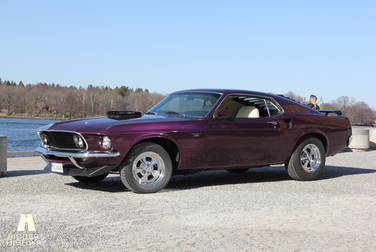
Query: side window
{"type": "Point", "coordinates": [243, 106]}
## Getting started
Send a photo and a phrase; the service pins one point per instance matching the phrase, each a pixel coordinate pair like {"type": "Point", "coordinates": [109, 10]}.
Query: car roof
{"type": "Point", "coordinates": [282, 100]}
{"type": "Point", "coordinates": [225, 91]}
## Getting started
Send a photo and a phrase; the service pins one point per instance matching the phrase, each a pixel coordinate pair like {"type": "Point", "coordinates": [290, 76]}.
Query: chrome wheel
{"type": "Point", "coordinates": [307, 160]}
{"type": "Point", "coordinates": [310, 158]}
{"type": "Point", "coordinates": [148, 168]}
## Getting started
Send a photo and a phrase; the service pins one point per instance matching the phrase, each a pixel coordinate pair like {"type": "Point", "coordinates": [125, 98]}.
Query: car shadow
{"type": "Point", "coordinates": [222, 177]}
{"type": "Point", "coordinates": [19, 173]}
{"type": "Point", "coordinates": [113, 184]}
{"type": "Point", "coordinates": [331, 171]}
{"type": "Point", "coordinates": [347, 149]}
{"type": "Point", "coordinates": [256, 175]}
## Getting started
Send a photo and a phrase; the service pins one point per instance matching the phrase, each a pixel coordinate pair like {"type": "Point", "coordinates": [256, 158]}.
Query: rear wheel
{"type": "Point", "coordinates": [148, 169]}
{"type": "Point", "coordinates": [90, 179]}
{"type": "Point", "coordinates": [307, 161]}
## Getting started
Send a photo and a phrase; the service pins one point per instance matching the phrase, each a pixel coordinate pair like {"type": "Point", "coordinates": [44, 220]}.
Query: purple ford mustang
{"type": "Point", "coordinates": [195, 130]}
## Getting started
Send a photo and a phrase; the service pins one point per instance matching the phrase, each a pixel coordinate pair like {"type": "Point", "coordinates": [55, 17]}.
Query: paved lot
{"type": "Point", "coordinates": [261, 210]}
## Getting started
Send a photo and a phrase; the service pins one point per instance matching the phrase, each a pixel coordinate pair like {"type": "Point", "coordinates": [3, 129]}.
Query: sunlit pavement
{"type": "Point", "coordinates": [262, 209]}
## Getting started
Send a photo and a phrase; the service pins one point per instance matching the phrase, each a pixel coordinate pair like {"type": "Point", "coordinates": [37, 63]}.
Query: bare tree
{"type": "Point", "coordinates": [18, 100]}
{"type": "Point", "coordinates": [32, 100]}
{"type": "Point", "coordinates": [73, 102]}
{"type": "Point", "coordinates": [83, 102]}
{"type": "Point", "coordinates": [295, 97]}
{"type": "Point", "coordinates": [361, 113]}
{"type": "Point", "coordinates": [70, 101]}
{"type": "Point", "coordinates": [155, 98]}
{"type": "Point", "coordinates": [93, 103]}
{"type": "Point", "coordinates": [8, 97]}
{"type": "Point", "coordinates": [344, 103]}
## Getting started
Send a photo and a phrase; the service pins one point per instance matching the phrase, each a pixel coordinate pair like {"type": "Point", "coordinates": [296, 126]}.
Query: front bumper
{"type": "Point", "coordinates": [77, 169]}
{"type": "Point", "coordinates": [87, 172]}
{"type": "Point", "coordinates": [349, 140]}
{"type": "Point", "coordinates": [86, 154]}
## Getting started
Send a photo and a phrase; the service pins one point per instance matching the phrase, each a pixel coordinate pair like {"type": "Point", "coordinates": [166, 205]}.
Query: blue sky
{"type": "Point", "coordinates": [327, 48]}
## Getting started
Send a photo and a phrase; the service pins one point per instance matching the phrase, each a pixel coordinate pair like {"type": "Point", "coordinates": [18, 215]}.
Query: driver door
{"type": "Point", "coordinates": [242, 139]}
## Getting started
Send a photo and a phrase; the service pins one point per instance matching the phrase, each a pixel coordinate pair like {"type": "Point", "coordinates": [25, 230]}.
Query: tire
{"type": "Point", "coordinates": [242, 170]}
{"type": "Point", "coordinates": [307, 161]}
{"type": "Point", "coordinates": [90, 179]}
{"type": "Point", "coordinates": [147, 169]}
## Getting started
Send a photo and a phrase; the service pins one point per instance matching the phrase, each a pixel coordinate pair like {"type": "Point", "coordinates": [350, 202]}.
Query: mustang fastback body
{"type": "Point", "coordinates": [195, 130]}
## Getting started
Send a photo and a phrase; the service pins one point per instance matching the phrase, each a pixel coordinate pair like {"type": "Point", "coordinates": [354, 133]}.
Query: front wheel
{"type": "Point", "coordinates": [307, 161]}
{"type": "Point", "coordinates": [147, 169]}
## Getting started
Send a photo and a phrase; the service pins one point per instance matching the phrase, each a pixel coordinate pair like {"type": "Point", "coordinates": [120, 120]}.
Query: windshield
{"type": "Point", "coordinates": [186, 104]}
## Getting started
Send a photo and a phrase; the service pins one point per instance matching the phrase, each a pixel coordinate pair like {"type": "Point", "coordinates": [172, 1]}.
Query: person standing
{"type": "Point", "coordinates": [312, 102]}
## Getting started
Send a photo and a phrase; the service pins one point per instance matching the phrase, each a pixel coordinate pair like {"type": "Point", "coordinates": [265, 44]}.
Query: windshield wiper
{"type": "Point", "coordinates": [151, 113]}
{"type": "Point", "coordinates": [174, 113]}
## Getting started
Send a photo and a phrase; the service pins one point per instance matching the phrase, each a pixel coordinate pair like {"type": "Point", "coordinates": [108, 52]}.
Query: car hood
{"type": "Point", "coordinates": [105, 124]}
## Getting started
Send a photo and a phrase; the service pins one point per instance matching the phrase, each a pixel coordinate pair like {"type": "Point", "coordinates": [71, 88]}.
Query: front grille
{"type": "Point", "coordinates": [60, 140]}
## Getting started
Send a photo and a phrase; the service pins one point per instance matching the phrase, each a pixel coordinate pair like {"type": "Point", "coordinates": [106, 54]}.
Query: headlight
{"type": "Point", "coordinates": [106, 143]}
{"type": "Point", "coordinates": [78, 141]}
{"type": "Point", "coordinates": [43, 138]}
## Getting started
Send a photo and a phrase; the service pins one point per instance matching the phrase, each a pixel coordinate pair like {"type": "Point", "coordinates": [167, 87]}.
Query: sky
{"type": "Point", "coordinates": [326, 48]}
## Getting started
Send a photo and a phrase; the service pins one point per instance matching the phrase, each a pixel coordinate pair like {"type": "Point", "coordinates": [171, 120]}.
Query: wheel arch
{"type": "Point", "coordinates": [310, 134]}
{"type": "Point", "coordinates": [313, 134]}
{"type": "Point", "coordinates": [166, 142]}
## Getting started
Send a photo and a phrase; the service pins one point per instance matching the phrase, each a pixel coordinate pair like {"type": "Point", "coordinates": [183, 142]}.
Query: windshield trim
{"type": "Point", "coordinates": [191, 92]}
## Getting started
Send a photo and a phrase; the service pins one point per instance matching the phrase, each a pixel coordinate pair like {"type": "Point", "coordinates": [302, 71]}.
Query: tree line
{"type": "Point", "coordinates": [358, 112]}
{"type": "Point", "coordinates": [54, 100]}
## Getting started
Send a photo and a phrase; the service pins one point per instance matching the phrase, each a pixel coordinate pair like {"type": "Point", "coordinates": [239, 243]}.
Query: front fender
{"type": "Point", "coordinates": [143, 137]}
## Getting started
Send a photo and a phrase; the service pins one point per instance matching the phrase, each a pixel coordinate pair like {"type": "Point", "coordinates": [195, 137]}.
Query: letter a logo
{"type": "Point", "coordinates": [26, 218]}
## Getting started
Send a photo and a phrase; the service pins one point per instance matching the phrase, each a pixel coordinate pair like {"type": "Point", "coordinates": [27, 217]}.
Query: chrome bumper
{"type": "Point", "coordinates": [72, 155]}
{"type": "Point", "coordinates": [349, 140]}
{"type": "Point", "coordinates": [44, 151]}
{"type": "Point", "coordinates": [87, 172]}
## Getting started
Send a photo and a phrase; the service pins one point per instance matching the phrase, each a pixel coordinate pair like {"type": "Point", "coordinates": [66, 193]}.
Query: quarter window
{"type": "Point", "coordinates": [273, 109]}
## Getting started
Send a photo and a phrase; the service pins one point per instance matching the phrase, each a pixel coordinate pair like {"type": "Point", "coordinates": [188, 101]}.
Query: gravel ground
{"type": "Point", "coordinates": [261, 210]}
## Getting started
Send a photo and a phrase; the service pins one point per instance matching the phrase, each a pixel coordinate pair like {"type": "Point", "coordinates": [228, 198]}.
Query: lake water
{"type": "Point", "coordinates": [21, 133]}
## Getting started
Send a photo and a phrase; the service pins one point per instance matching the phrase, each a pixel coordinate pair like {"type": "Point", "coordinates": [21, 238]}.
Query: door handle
{"type": "Point", "coordinates": [274, 123]}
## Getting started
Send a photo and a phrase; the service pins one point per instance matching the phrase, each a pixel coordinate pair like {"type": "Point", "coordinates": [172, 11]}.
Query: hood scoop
{"type": "Point", "coordinates": [123, 114]}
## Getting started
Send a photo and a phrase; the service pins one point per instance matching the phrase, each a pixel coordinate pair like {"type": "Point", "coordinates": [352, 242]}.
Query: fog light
{"type": "Point", "coordinates": [78, 141]}
{"type": "Point", "coordinates": [106, 143]}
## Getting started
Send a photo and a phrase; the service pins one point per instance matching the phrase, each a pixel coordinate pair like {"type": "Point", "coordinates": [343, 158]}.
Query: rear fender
{"type": "Point", "coordinates": [313, 133]}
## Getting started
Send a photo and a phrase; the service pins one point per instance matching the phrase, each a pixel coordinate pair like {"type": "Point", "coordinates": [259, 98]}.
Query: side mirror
{"type": "Point", "coordinates": [220, 113]}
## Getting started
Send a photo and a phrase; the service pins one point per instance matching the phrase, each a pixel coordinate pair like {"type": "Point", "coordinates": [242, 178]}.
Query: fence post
{"type": "Point", "coordinates": [3, 154]}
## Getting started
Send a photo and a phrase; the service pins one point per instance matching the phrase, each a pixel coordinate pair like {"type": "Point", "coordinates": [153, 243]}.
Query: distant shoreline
{"type": "Point", "coordinates": [38, 118]}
